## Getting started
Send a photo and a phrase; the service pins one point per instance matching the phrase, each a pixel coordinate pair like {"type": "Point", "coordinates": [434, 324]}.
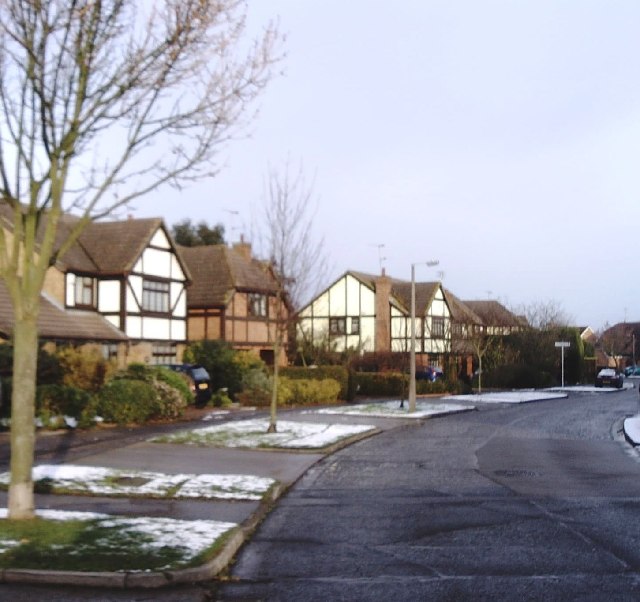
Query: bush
{"type": "Point", "coordinates": [381, 384]}
{"type": "Point", "coordinates": [224, 365]}
{"type": "Point", "coordinates": [337, 373]}
{"type": "Point", "coordinates": [126, 401]}
{"type": "Point", "coordinates": [179, 381]}
{"type": "Point", "coordinates": [49, 371]}
{"type": "Point", "coordinates": [515, 376]}
{"type": "Point", "coordinates": [256, 388]}
{"type": "Point", "coordinates": [169, 403]}
{"type": "Point", "coordinates": [172, 389]}
{"type": "Point", "coordinates": [308, 391]}
{"type": "Point", "coordinates": [84, 368]}
{"type": "Point", "coordinates": [62, 400]}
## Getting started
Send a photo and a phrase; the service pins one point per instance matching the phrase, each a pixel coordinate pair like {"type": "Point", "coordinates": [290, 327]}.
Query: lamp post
{"type": "Point", "coordinates": [412, 356]}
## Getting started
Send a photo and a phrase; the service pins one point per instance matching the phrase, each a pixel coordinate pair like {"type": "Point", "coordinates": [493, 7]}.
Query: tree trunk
{"type": "Point", "coordinates": [25, 357]}
{"type": "Point", "coordinates": [273, 428]}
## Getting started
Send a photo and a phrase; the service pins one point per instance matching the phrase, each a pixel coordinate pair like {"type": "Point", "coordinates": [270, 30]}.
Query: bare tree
{"type": "Point", "coordinates": [100, 104]}
{"type": "Point", "coordinates": [545, 315]}
{"type": "Point", "coordinates": [297, 257]}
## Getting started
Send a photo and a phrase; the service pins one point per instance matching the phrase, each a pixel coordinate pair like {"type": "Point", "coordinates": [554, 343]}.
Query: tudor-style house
{"type": "Point", "coordinates": [234, 297]}
{"type": "Point", "coordinates": [121, 287]}
{"type": "Point", "coordinates": [373, 314]}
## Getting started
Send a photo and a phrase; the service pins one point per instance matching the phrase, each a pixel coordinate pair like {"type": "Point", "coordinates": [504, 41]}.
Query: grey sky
{"type": "Point", "coordinates": [500, 137]}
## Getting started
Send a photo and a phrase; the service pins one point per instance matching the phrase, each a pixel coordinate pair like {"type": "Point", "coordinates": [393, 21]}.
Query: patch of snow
{"type": "Point", "coordinates": [253, 433]}
{"type": "Point", "coordinates": [510, 397]}
{"type": "Point", "coordinates": [190, 537]}
{"type": "Point", "coordinates": [632, 429]}
{"type": "Point", "coordinates": [97, 480]}
{"type": "Point", "coordinates": [392, 409]}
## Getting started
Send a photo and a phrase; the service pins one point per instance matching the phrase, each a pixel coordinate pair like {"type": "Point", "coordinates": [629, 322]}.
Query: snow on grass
{"type": "Point", "coordinates": [510, 397]}
{"type": "Point", "coordinates": [97, 480]}
{"type": "Point", "coordinates": [253, 434]}
{"type": "Point", "coordinates": [591, 388]}
{"type": "Point", "coordinates": [186, 538]}
{"type": "Point", "coordinates": [392, 409]}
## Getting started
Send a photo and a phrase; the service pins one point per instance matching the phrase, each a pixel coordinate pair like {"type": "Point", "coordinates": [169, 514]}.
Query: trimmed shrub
{"type": "Point", "coordinates": [300, 391]}
{"type": "Point", "coordinates": [515, 376]}
{"type": "Point", "coordinates": [338, 373]}
{"type": "Point", "coordinates": [381, 384]}
{"type": "Point", "coordinates": [126, 401]}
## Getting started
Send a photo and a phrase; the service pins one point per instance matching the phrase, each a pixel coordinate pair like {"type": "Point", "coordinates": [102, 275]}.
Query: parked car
{"type": "Point", "coordinates": [431, 373]}
{"type": "Point", "coordinates": [609, 377]}
{"type": "Point", "coordinates": [632, 371]}
{"type": "Point", "coordinates": [200, 381]}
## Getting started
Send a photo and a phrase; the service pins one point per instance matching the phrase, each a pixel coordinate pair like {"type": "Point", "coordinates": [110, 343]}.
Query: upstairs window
{"type": "Point", "coordinates": [257, 305]}
{"type": "Point", "coordinates": [84, 291]}
{"type": "Point", "coordinates": [437, 328]}
{"type": "Point", "coordinates": [155, 296]}
{"type": "Point", "coordinates": [355, 325]}
{"type": "Point", "coordinates": [337, 325]}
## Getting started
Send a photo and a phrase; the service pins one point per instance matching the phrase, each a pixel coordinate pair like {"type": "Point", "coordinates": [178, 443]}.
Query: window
{"type": "Point", "coordinates": [155, 296]}
{"type": "Point", "coordinates": [110, 351]}
{"type": "Point", "coordinates": [163, 353]}
{"type": "Point", "coordinates": [437, 328]}
{"type": "Point", "coordinates": [84, 291]}
{"type": "Point", "coordinates": [337, 325]}
{"type": "Point", "coordinates": [257, 305]}
{"type": "Point", "coordinates": [355, 325]}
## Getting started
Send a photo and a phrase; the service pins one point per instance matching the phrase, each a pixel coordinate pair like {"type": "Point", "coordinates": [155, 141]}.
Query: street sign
{"type": "Point", "coordinates": [563, 344]}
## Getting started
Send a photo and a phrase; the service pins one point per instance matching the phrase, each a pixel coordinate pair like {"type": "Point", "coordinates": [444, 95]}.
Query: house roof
{"type": "Point", "coordinates": [218, 270]}
{"type": "Point", "coordinates": [460, 311]}
{"type": "Point", "coordinates": [494, 313]}
{"type": "Point", "coordinates": [622, 337]}
{"type": "Point", "coordinates": [401, 290]}
{"type": "Point", "coordinates": [425, 293]}
{"type": "Point", "coordinates": [108, 247]}
{"type": "Point", "coordinates": [54, 322]}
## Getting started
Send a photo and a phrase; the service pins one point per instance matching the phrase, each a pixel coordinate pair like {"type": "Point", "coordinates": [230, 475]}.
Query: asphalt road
{"type": "Point", "coordinates": [531, 502]}
{"type": "Point", "coordinates": [538, 501]}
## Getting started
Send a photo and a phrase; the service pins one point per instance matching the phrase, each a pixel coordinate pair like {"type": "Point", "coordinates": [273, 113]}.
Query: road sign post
{"type": "Point", "coordinates": [562, 345]}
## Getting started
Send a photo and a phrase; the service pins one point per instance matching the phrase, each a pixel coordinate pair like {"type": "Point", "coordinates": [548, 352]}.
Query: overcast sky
{"type": "Point", "coordinates": [501, 137]}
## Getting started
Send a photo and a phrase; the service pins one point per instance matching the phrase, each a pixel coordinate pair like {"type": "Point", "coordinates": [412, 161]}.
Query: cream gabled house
{"type": "Point", "coordinates": [121, 287]}
{"type": "Point", "coordinates": [373, 314]}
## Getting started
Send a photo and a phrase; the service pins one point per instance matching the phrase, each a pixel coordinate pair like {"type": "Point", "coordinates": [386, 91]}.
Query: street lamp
{"type": "Point", "coordinates": [412, 360]}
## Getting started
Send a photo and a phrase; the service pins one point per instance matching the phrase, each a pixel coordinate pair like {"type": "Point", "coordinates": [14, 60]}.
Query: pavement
{"type": "Point", "coordinates": [284, 466]}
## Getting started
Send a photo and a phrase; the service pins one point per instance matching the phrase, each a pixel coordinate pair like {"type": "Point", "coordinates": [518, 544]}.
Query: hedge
{"type": "Point", "coordinates": [309, 391]}
{"type": "Point", "coordinates": [337, 373]}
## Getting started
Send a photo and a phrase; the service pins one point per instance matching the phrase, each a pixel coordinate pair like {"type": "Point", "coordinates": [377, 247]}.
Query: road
{"type": "Point", "coordinates": [531, 502]}
{"type": "Point", "coordinates": [538, 501]}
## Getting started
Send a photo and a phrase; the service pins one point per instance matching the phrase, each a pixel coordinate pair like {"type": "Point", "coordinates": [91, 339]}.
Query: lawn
{"type": "Point", "coordinates": [86, 541]}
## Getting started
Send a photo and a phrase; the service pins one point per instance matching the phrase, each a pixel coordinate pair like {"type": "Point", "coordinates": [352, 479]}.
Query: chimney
{"type": "Point", "coordinates": [383, 313]}
{"type": "Point", "coordinates": [244, 248]}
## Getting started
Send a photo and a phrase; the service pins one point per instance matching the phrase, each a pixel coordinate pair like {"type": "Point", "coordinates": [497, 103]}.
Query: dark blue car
{"type": "Point", "coordinates": [429, 373]}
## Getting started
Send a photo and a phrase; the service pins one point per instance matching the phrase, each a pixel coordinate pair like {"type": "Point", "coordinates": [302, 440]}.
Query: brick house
{"type": "Point", "coordinates": [233, 297]}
